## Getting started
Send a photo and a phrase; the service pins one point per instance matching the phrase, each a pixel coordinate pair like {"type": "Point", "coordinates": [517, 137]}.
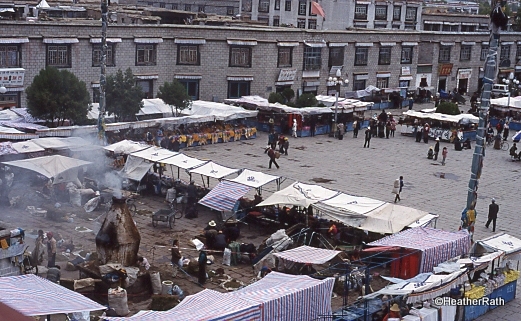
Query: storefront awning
{"type": "Point", "coordinates": [109, 40]}
{"type": "Point", "coordinates": [315, 44]}
{"type": "Point", "coordinates": [287, 44]}
{"type": "Point", "coordinates": [148, 40]}
{"type": "Point", "coordinates": [242, 42]}
{"type": "Point", "coordinates": [192, 41]}
{"type": "Point", "coordinates": [14, 40]}
{"type": "Point", "coordinates": [60, 40]}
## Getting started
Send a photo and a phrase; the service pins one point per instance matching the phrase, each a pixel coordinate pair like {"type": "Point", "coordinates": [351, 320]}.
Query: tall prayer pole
{"type": "Point", "coordinates": [103, 72]}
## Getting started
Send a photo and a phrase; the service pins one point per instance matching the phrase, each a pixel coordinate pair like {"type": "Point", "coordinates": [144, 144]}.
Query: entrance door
{"type": "Point", "coordinates": [442, 84]}
{"type": "Point", "coordinates": [463, 86]}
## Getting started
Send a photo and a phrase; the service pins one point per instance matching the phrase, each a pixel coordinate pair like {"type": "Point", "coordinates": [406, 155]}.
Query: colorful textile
{"type": "Point", "coordinates": [436, 245]}
{"type": "Point", "coordinates": [307, 254]}
{"type": "Point", "coordinates": [224, 196]}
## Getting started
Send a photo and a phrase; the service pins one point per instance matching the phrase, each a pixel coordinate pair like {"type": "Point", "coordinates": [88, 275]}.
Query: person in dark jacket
{"type": "Point", "coordinates": [271, 154]}
{"type": "Point", "coordinates": [493, 209]}
{"type": "Point", "coordinates": [202, 267]}
{"type": "Point", "coordinates": [368, 135]}
{"type": "Point", "coordinates": [437, 148]}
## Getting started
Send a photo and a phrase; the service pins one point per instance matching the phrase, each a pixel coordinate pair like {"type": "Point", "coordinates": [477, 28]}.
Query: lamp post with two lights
{"type": "Point", "coordinates": [336, 82]}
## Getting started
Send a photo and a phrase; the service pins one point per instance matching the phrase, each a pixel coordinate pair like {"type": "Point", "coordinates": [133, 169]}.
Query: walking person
{"type": "Point", "coordinates": [437, 148]}
{"type": "Point", "coordinates": [393, 127]}
{"type": "Point", "coordinates": [387, 129]}
{"type": "Point", "coordinates": [506, 130]}
{"type": "Point", "coordinates": [444, 153]}
{"type": "Point", "coordinates": [340, 127]}
{"type": "Point", "coordinates": [286, 146]}
{"type": "Point", "coordinates": [272, 156]}
{"type": "Point", "coordinates": [294, 128]}
{"type": "Point", "coordinates": [493, 209]}
{"type": "Point", "coordinates": [397, 188]}
{"type": "Point", "coordinates": [201, 275]}
{"type": "Point", "coordinates": [367, 137]}
{"type": "Point", "coordinates": [426, 130]}
{"type": "Point", "coordinates": [51, 250]}
{"type": "Point", "coordinates": [356, 128]}
{"type": "Point", "coordinates": [313, 126]}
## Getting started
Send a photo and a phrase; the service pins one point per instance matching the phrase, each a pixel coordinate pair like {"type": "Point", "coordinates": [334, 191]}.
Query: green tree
{"type": "Point", "coordinates": [57, 95]}
{"type": "Point", "coordinates": [288, 93]}
{"type": "Point", "coordinates": [174, 94]}
{"type": "Point", "coordinates": [306, 100]}
{"type": "Point", "coordinates": [123, 96]}
{"type": "Point", "coordinates": [484, 8]}
{"type": "Point", "coordinates": [276, 98]}
{"type": "Point", "coordinates": [448, 108]}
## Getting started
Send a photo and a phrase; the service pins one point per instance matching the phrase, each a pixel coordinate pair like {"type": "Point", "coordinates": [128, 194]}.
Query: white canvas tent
{"type": "Point", "coordinates": [182, 161]}
{"type": "Point", "coordinates": [307, 254]}
{"type": "Point", "coordinates": [57, 143]}
{"type": "Point", "coordinates": [218, 110]}
{"type": "Point", "coordinates": [503, 102]}
{"type": "Point", "coordinates": [27, 147]}
{"type": "Point", "coordinates": [299, 194]}
{"type": "Point", "coordinates": [463, 118]}
{"type": "Point", "coordinates": [56, 167]}
{"type": "Point", "coordinates": [506, 243]}
{"type": "Point", "coordinates": [214, 170]}
{"type": "Point", "coordinates": [135, 168]}
{"type": "Point", "coordinates": [154, 154]}
{"type": "Point", "coordinates": [155, 106]}
{"type": "Point", "coordinates": [255, 179]}
{"type": "Point", "coordinates": [126, 147]}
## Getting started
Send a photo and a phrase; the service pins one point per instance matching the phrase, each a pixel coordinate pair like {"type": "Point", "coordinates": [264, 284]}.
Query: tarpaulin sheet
{"type": "Point", "coordinates": [33, 295]}
{"type": "Point", "coordinates": [60, 143]}
{"type": "Point", "coordinates": [6, 148]}
{"type": "Point", "coordinates": [299, 194]}
{"type": "Point", "coordinates": [218, 110]}
{"type": "Point", "coordinates": [135, 168]}
{"type": "Point", "coordinates": [49, 166]}
{"type": "Point", "coordinates": [254, 179]}
{"type": "Point", "coordinates": [27, 147]}
{"type": "Point", "coordinates": [214, 170]}
{"type": "Point", "coordinates": [277, 296]}
{"type": "Point", "coordinates": [436, 245]}
{"type": "Point", "coordinates": [126, 147]}
{"type": "Point", "coordinates": [224, 196]}
{"type": "Point", "coordinates": [307, 254]}
{"type": "Point", "coordinates": [503, 242]}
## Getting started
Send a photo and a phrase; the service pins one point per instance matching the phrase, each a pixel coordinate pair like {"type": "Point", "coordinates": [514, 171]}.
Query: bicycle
{"type": "Point", "coordinates": [178, 204]}
{"type": "Point", "coordinates": [504, 145]}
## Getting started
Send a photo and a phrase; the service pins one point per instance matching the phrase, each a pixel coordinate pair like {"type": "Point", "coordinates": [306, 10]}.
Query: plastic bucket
{"type": "Point", "coordinates": [166, 287]}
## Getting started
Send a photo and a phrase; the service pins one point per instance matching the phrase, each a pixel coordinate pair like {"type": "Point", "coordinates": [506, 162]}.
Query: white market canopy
{"type": "Point", "coordinates": [214, 170]}
{"type": "Point", "coordinates": [155, 106]}
{"type": "Point", "coordinates": [135, 168]}
{"type": "Point", "coordinates": [307, 254]}
{"type": "Point", "coordinates": [27, 147]}
{"type": "Point", "coordinates": [345, 104]}
{"type": "Point", "coordinates": [182, 161]}
{"type": "Point", "coordinates": [126, 147]}
{"type": "Point", "coordinates": [515, 102]}
{"type": "Point", "coordinates": [299, 194]}
{"type": "Point", "coordinates": [464, 118]}
{"type": "Point", "coordinates": [218, 110]}
{"type": "Point", "coordinates": [506, 243]}
{"type": "Point", "coordinates": [254, 101]}
{"type": "Point", "coordinates": [254, 179]}
{"type": "Point", "coordinates": [49, 166]}
{"type": "Point", "coordinates": [154, 154]}
{"type": "Point", "coordinates": [60, 143]}
{"type": "Point", "coordinates": [33, 296]}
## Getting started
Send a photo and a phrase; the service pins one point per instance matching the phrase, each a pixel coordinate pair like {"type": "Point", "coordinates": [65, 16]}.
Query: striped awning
{"type": "Point", "coordinates": [338, 44]}
{"type": "Point", "coordinates": [468, 43]}
{"type": "Point", "coordinates": [387, 44]}
{"type": "Point", "coordinates": [406, 44]}
{"type": "Point", "coordinates": [287, 44]}
{"type": "Point", "coordinates": [445, 43]}
{"type": "Point", "coordinates": [224, 196]}
{"type": "Point", "coordinates": [315, 44]}
{"type": "Point", "coordinates": [109, 40]}
{"type": "Point", "coordinates": [190, 41]}
{"type": "Point", "coordinates": [60, 40]}
{"type": "Point", "coordinates": [363, 44]}
{"type": "Point", "coordinates": [188, 77]}
{"type": "Point", "coordinates": [14, 40]}
{"type": "Point", "coordinates": [307, 254]}
{"type": "Point", "coordinates": [239, 78]}
{"type": "Point", "coordinates": [148, 40]}
{"type": "Point", "coordinates": [14, 89]}
{"type": "Point", "coordinates": [146, 76]}
{"type": "Point", "coordinates": [32, 295]}
{"type": "Point", "coordinates": [242, 42]}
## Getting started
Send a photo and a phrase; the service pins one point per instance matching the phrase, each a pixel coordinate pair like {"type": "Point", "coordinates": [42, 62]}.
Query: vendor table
{"type": "Point", "coordinates": [507, 292]}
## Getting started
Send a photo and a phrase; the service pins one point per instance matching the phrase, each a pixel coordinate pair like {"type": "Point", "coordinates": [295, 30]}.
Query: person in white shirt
{"type": "Point", "coordinates": [143, 262]}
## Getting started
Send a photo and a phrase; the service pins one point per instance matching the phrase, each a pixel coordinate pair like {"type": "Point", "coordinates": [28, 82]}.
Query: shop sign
{"type": "Point", "coordinates": [406, 71]}
{"type": "Point", "coordinates": [12, 77]}
{"type": "Point", "coordinates": [464, 73]}
{"type": "Point", "coordinates": [287, 75]}
{"type": "Point", "coordinates": [445, 69]}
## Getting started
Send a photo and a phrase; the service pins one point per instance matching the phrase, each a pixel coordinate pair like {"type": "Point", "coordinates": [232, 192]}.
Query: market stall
{"type": "Point", "coordinates": [224, 197]}
{"type": "Point", "coordinates": [182, 161]}
{"type": "Point", "coordinates": [299, 194]}
{"type": "Point", "coordinates": [126, 147]}
{"type": "Point", "coordinates": [214, 170]}
{"type": "Point", "coordinates": [255, 179]}
{"type": "Point", "coordinates": [506, 108]}
{"type": "Point", "coordinates": [441, 125]}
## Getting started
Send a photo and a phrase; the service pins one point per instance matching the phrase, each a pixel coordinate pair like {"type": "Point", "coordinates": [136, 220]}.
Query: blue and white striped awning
{"type": "Point", "coordinates": [32, 295]}
{"type": "Point", "coordinates": [224, 196]}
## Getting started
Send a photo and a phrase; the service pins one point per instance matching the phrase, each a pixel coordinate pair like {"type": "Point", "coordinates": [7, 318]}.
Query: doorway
{"type": "Point", "coordinates": [463, 86]}
{"type": "Point", "coordinates": [442, 84]}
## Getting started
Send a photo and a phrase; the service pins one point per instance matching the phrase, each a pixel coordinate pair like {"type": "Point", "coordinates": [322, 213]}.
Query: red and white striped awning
{"type": "Point", "coordinates": [307, 254]}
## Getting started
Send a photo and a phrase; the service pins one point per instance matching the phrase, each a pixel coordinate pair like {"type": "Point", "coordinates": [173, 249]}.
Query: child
{"type": "Point", "coordinates": [444, 153]}
{"type": "Point", "coordinates": [286, 145]}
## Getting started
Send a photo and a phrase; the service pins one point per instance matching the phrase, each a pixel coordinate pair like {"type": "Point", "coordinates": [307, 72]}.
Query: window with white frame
{"type": "Point", "coordinates": [384, 58]}
{"type": "Point", "coordinates": [397, 13]}
{"type": "Point", "coordinates": [192, 87]}
{"type": "Point", "coordinates": [359, 84]}
{"type": "Point", "coordinates": [301, 23]}
{"type": "Point", "coordinates": [146, 54]}
{"type": "Point", "coordinates": [147, 87]}
{"type": "Point", "coordinates": [264, 5]}
{"type": "Point", "coordinates": [407, 55]}
{"type": "Point", "coordinates": [312, 23]}
{"type": "Point", "coordinates": [505, 52]}
{"type": "Point", "coordinates": [484, 52]}
{"type": "Point", "coordinates": [336, 56]}
{"type": "Point", "coordinates": [188, 54]}
{"type": "Point", "coordinates": [382, 82]}
{"type": "Point", "coordinates": [465, 53]}
{"type": "Point", "coordinates": [237, 89]}
{"type": "Point", "coordinates": [302, 8]}
{"type": "Point", "coordinates": [410, 13]}
{"type": "Point", "coordinates": [287, 5]}
{"type": "Point", "coordinates": [277, 4]}
{"type": "Point", "coordinates": [404, 83]}
{"type": "Point", "coordinates": [9, 56]}
{"type": "Point", "coordinates": [240, 56]}
{"type": "Point", "coordinates": [59, 55]}
{"type": "Point", "coordinates": [96, 55]}
{"type": "Point", "coordinates": [312, 58]}
{"type": "Point", "coordinates": [380, 13]}
{"type": "Point", "coordinates": [444, 55]}
{"type": "Point", "coordinates": [285, 57]}
{"type": "Point", "coordinates": [361, 54]}
{"type": "Point", "coordinates": [361, 11]}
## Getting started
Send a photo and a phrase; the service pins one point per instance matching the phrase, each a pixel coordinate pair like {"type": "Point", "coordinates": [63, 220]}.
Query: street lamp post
{"type": "Point", "coordinates": [336, 82]}
{"type": "Point", "coordinates": [511, 82]}
{"type": "Point", "coordinates": [3, 90]}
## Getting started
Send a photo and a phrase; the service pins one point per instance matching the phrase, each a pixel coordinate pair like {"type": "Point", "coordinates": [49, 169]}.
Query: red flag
{"type": "Point", "coordinates": [316, 8]}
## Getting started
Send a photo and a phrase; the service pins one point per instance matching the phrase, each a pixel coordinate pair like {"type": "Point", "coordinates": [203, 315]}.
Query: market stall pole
{"type": "Point", "coordinates": [103, 70]}
{"type": "Point", "coordinates": [336, 82]}
{"type": "Point", "coordinates": [498, 21]}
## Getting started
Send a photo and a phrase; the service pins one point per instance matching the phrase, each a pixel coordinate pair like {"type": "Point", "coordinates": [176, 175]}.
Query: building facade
{"type": "Point", "coordinates": [215, 63]}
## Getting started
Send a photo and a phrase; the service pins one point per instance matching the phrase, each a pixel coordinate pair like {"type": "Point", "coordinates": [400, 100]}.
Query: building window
{"type": "Point", "coordinates": [382, 82]}
{"type": "Point", "coordinates": [230, 11]}
{"type": "Point", "coordinates": [9, 56]}
{"type": "Point", "coordinates": [301, 23]}
{"type": "Point", "coordinates": [444, 54]}
{"type": "Point", "coordinates": [264, 5]}
{"type": "Point", "coordinates": [285, 57]}
{"type": "Point", "coordinates": [175, 6]}
{"type": "Point", "coordinates": [450, 28]}
{"type": "Point", "coordinates": [162, 5]}
{"type": "Point", "coordinates": [484, 53]}
{"type": "Point", "coordinates": [312, 24]}
{"type": "Point", "coordinates": [240, 57]}
{"type": "Point", "coordinates": [146, 55]}
{"type": "Point", "coordinates": [505, 53]}
{"type": "Point", "coordinates": [361, 11]}
{"type": "Point", "coordinates": [406, 55]}
{"type": "Point", "coordinates": [468, 28]}
{"type": "Point", "coordinates": [96, 55]}
{"type": "Point", "coordinates": [276, 22]}
{"type": "Point", "coordinates": [361, 56]}
{"type": "Point", "coordinates": [200, 9]}
{"type": "Point", "coordinates": [59, 55]}
{"type": "Point", "coordinates": [384, 58]}
{"type": "Point", "coordinates": [518, 53]}
{"type": "Point", "coordinates": [410, 14]}
{"type": "Point", "coordinates": [465, 53]}
{"type": "Point", "coordinates": [380, 13]}
{"type": "Point", "coordinates": [359, 84]}
{"type": "Point", "coordinates": [404, 83]}
{"type": "Point", "coordinates": [302, 6]}
{"type": "Point", "coordinates": [277, 4]}
{"type": "Point", "coordinates": [192, 87]}
{"type": "Point", "coordinates": [288, 5]}
{"type": "Point", "coordinates": [397, 13]}
{"type": "Point", "coordinates": [312, 58]}
{"type": "Point", "coordinates": [147, 87]}
{"type": "Point", "coordinates": [188, 55]}
{"type": "Point", "coordinates": [336, 56]}
{"type": "Point", "coordinates": [95, 95]}
{"type": "Point", "coordinates": [237, 89]}
{"type": "Point", "coordinates": [188, 7]}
